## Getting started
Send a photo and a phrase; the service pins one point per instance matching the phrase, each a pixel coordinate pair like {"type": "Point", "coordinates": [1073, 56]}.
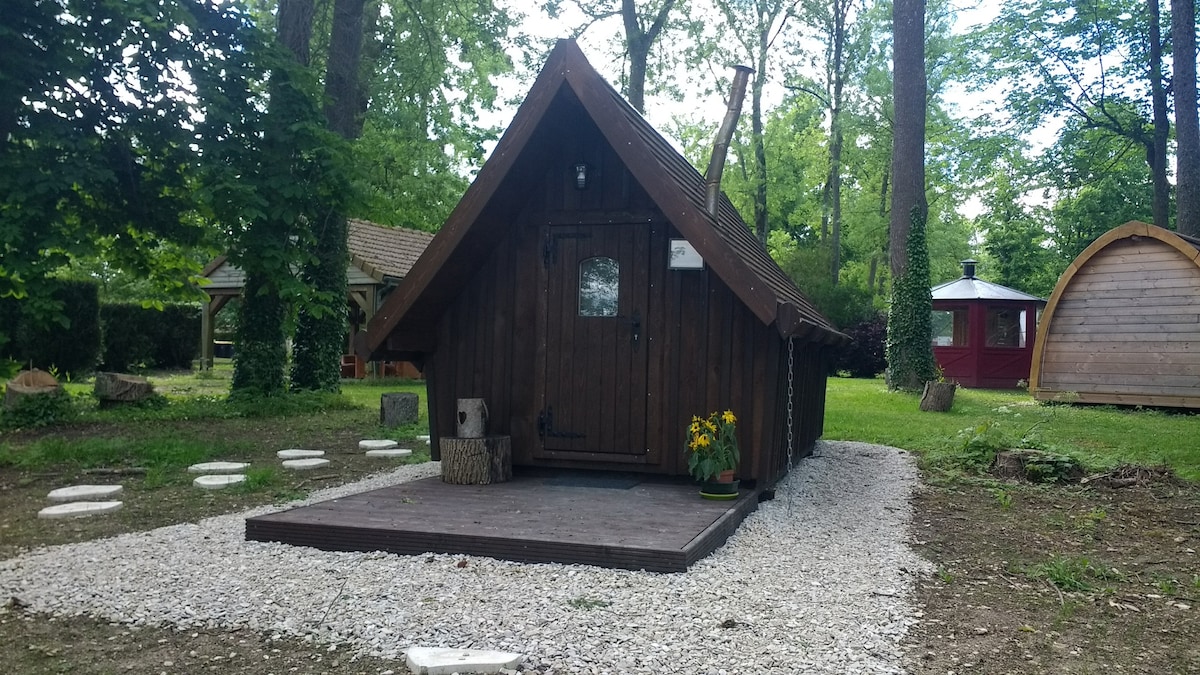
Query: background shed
{"type": "Point", "coordinates": [983, 333]}
{"type": "Point", "coordinates": [1123, 323]}
{"type": "Point", "coordinates": [581, 288]}
{"type": "Point", "coordinates": [380, 257]}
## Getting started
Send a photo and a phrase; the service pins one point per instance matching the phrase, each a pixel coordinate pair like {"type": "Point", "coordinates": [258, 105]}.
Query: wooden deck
{"type": "Point", "coordinates": [621, 521]}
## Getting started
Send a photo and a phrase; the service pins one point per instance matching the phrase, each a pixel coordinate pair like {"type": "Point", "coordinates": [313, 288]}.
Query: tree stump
{"type": "Point", "coordinates": [29, 383]}
{"type": "Point", "coordinates": [116, 388]}
{"type": "Point", "coordinates": [476, 461]}
{"type": "Point", "coordinates": [938, 396]}
{"type": "Point", "coordinates": [398, 409]}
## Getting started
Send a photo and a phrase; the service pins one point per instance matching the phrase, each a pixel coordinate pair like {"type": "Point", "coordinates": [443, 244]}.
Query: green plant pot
{"type": "Point", "coordinates": [723, 491]}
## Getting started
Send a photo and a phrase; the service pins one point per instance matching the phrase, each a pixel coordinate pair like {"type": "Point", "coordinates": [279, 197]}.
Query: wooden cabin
{"type": "Point", "coordinates": [582, 289]}
{"type": "Point", "coordinates": [1123, 323]}
{"type": "Point", "coordinates": [983, 333]}
{"type": "Point", "coordinates": [380, 256]}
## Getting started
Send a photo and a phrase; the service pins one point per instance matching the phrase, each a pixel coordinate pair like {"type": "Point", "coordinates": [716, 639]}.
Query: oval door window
{"type": "Point", "coordinates": [599, 283]}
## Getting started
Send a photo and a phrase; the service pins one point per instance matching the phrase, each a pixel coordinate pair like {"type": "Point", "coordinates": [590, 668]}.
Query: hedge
{"type": "Point", "coordinates": [58, 331]}
{"type": "Point", "coordinates": [137, 337]}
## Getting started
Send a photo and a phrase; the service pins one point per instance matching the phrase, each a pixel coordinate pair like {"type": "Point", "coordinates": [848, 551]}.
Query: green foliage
{"type": "Point", "coordinates": [39, 410]}
{"type": "Point", "coordinates": [321, 327]}
{"type": "Point", "coordinates": [1003, 498]}
{"type": "Point", "coordinates": [866, 355]}
{"type": "Point", "coordinates": [1076, 574]}
{"type": "Point", "coordinates": [95, 160]}
{"type": "Point", "coordinates": [910, 332]}
{"type": "Point", "coordinates": [166, 453]}
{"type": "Point", "coordinates": [56, 325]}
{"type": "Point", "coordinates": [137, 337]}
{"type": "Point", "coordinates": [844, 304]}
{"type": "Point", "coordinates": [1100, 438]}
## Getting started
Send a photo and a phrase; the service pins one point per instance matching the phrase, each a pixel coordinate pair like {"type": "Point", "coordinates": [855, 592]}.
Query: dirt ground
{"type": "Point", "coordinates": [1029, 579]}
{"type": "Point", "coordinates": [1058, 579]}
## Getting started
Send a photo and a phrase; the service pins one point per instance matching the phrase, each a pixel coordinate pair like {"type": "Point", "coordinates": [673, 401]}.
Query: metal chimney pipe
{"type": "Point", "coordinates": [716, 164]}
{"type": "Point", "coordinates": [968, 266]}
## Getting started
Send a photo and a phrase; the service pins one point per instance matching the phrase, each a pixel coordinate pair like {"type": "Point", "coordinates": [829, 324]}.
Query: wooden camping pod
{"type": "Point", "coordinates": [584, 291]}
{"type": "Point", "coordinates": [1123, 324]}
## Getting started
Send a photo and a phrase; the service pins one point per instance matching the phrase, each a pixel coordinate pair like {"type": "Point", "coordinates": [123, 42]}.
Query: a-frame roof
{"type": "Point", "coordinates": [677, 189]}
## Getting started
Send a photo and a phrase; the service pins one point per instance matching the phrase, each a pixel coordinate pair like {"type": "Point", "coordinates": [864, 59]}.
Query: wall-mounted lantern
{"type": "Point", "coordinates": [581, 176]}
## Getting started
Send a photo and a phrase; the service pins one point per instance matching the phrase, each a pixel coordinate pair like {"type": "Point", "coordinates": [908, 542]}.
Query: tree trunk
{"type": "Point", "coordinates": [476, 461]}
{"type": "Point", "coordinates": [398, 409]}
{"type": "Point", "coordinates": [30, 383]}
{"type": "Point", "coordinates": [839, 9]}
{"type": "Point", "coordinates": [321, 324]}
{"type": "Point", "coordinates": [1157, 152]}
{"type": "Point", "coordinates": [638, 42]}
{"type": "Point", "coordinates": [121, 388]}
{"type": "Point", "coordinates": [908, 137]}
{"type": "Point", "coordinates": [756, 139]}
{"type": "Point", "coordinates": [1187, 126]}
{"type": "Point", "coordinates": [938, 396]}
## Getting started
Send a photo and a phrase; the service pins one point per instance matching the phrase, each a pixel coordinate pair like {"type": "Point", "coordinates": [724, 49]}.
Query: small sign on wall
{"type": "Point", "coordinates": [683, 256]}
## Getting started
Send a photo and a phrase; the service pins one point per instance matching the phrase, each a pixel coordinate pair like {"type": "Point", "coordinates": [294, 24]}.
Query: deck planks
{"type": "Point", "coordinates": [654, 525]}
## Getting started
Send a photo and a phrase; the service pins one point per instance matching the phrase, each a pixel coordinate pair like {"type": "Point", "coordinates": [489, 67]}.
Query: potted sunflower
{"type": "Point", "coordinates": [712, 451]}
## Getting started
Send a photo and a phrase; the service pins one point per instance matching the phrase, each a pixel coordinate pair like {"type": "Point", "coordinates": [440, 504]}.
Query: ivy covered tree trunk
{"type": "Point", "coordinates": [261, 354]}
{"type": "Point", "coordinates": [910, 326]}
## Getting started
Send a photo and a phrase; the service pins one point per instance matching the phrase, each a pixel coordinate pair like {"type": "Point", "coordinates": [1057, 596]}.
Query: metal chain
{"type": "Point", "coordinates": [791, 399]}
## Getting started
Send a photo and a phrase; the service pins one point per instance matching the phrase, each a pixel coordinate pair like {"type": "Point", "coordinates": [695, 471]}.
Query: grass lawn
{"type": "Point", "coordinates": [1099, 436]}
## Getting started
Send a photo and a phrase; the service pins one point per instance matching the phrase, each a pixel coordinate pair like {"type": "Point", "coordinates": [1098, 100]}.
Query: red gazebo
{"type": "Point", "coordinates": [983, 333]}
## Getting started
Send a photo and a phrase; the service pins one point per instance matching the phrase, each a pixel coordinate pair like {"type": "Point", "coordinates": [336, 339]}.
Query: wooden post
{"type": "Point", "coordinates": [476, 461]}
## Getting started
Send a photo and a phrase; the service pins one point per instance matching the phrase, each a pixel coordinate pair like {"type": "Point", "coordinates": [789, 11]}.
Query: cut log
{"type": "Point", "coordinates": [476, 461]}
{"type": "Point", "coordinates": [1036, 466]}
{"type": "Point", "coordinates": [29, 383]}
{"type": "Point", "coordinates": [398, 409]}
{"type": "Point", "coordinates": [114, 388]}
{"type": "Point", "coordinates": [472, 418]}
{"type": "Point", "coordinates": [938, 396]}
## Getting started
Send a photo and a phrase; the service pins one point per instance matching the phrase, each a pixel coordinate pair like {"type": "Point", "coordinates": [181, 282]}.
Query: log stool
{"type": "Point", "coordinates": [476, 461]}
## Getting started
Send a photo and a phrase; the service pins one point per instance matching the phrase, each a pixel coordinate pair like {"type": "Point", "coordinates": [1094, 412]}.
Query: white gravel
{"type": "Point", "coordinates": [817, 581]}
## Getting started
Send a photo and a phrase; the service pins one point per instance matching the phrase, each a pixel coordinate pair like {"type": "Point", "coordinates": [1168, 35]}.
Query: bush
{"type": "Point", "coordinates": [136, 337]}
{"type": "Point", "coordinates": [58, 330]}
{"type": "Point", "coordinates": [39, 410]}
{"type": "Point", "coordinates": [866, 356]}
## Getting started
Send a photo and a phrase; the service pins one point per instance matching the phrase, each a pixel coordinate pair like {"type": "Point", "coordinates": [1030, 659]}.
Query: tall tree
{"type": "Point", "coordinates": [292, 136]}
{"type": "Point", "coordinates": [1187, 126]}
{"type": "Point", "coordinates": [908, 138]}
{"type": "Point", "coordinates": [96, 158]}
{"type": "Point", "coordinates": [643, 27]}
{"type": "Point", "coordinates": [1157, 151]}
{"type": "Point", "coordinates": [321, 322]}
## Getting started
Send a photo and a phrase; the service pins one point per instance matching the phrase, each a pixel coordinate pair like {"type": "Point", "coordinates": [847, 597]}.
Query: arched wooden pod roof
{"type": "Point", "coordinates": [1123, 324]}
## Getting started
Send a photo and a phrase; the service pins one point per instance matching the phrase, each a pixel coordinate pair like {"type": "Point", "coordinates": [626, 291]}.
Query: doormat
{"type": "Point", "coordinates": [593, 480]}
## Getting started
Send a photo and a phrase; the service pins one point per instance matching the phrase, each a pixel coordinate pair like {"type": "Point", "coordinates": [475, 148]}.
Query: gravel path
{"type": "Point", "coordinates": [816, 581]}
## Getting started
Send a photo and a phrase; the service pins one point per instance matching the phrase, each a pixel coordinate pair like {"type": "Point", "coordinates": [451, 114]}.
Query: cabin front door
{"type": "Point", "coordinates": [592, 357]}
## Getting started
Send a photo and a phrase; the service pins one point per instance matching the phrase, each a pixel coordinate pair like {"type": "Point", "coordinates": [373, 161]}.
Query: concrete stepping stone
{"type": "Point", "coordinates": [79, 509]}
{"type": "Point", "coordinates": [76, 493]}
{"type": "Point", "coordinates": [423, 438]}
{"type": "Point", "coordinates": [390, 452]}
{"type": "Point", "coordinates": [218, 467]}
{"type": "Point", "coordinates": [299, 454]}
{"type": "Point", "coordinates": [377, 445]}
{"type": "Point", "coordinates": [305, 464]}
{"type": "Point", "coordinates": [443, 661]}
{"type": "Point", "coordinates": [219, 482]}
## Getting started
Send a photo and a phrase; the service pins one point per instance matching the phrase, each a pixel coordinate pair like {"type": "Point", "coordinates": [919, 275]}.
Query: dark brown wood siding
{"type": "Point", "coordinates": [706, 350]}
{"type": "Point", "coordinates": [1126, 329]}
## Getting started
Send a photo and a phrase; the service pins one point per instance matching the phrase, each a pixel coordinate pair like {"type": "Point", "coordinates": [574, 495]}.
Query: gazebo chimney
{"type": "Point", "coordinates": [969, 268]}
